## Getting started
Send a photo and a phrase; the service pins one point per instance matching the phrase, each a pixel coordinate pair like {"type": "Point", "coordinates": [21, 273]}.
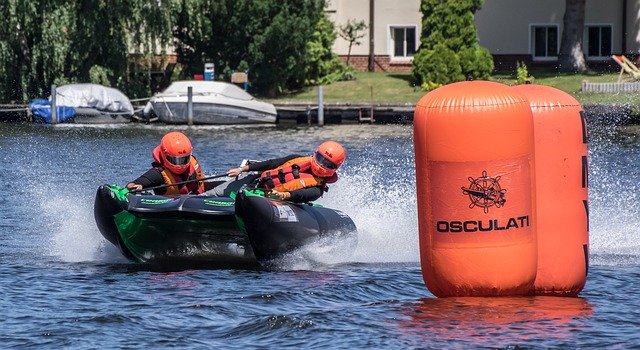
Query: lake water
{"type": "Point", "coordinates": [64, 286]}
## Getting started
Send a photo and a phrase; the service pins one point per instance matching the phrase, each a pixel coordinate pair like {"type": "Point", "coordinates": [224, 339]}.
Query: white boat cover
{"type": "Point", "coordinates": [93, 96]}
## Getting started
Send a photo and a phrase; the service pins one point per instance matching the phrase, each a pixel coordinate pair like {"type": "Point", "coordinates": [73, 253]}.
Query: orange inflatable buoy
{"type": "Point", "coordinates": [560, 131]}
{"type": "Point", "coordinates": [475, 180]}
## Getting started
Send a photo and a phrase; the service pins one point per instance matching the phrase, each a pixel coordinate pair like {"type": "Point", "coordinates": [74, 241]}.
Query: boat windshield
{"type": "Point", "coordinates": [200, 87]}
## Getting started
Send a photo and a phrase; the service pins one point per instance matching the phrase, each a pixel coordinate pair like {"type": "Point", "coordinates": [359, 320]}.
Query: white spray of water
{"type": "Point", "coordinates": [74, 236]}
{"type": "Point", "coordinates": [62, 212]}
{"type": "Point", "coordinates": [614, 230]}
{"type": "Point", "coordinates": [385, 216]}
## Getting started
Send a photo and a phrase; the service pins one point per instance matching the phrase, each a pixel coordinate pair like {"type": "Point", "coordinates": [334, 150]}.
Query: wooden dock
{"type": "Point", "coordinates": [301, 113]}
{"type": "Point", "coordinates": [14, 113]}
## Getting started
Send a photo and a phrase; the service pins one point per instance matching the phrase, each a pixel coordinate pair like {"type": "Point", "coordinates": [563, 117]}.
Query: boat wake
{"type": "Point", "coordinates": [329, 250]}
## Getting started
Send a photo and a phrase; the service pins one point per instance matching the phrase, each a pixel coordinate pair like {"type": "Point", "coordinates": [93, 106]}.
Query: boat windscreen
{"type": "Point", "coordinates": [236, 92]}
{"type": "Point", "coordinates": [207, 88]}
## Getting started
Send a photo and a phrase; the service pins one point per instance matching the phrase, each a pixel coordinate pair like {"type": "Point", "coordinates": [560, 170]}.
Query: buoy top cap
{"type": "Point", "coordinates": [477, 93]}
{"type": "Point", "coordinates": [545, 96]}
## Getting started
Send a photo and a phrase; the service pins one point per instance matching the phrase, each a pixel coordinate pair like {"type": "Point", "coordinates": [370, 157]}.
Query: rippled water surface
{"type": "Point", "coordinates": [64, 286]}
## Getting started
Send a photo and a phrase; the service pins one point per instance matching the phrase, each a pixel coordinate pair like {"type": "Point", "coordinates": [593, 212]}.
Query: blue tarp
{"type": "Point", "coordinates": [41, 109]}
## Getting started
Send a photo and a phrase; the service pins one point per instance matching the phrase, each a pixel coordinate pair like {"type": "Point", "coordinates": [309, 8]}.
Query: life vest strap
{"type": "Point", "coordinates": [266, 180]}
{"type": "Point", "coordinates": [281, 176]}
{"type": "Point", "coordinates": [295, 170]}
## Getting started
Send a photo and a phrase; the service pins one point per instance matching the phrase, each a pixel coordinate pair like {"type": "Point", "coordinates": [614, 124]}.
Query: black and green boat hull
{"type": "Point", "coordinates": [276, 228]}
{"type": "Point", "coordinates": [190, 230]}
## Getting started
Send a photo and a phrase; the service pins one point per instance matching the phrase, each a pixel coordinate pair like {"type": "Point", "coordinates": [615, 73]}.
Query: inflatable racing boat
{"type": "Point", "coordinates": [207, 230]}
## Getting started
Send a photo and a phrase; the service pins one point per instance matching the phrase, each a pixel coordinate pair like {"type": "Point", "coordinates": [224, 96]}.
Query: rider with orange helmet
{"type": "Point", "coordinates": [173, 163]}
{"type": "Point", "coordinates": [327, 159]}
{"type": "Point", "coordinates": [295, 178]}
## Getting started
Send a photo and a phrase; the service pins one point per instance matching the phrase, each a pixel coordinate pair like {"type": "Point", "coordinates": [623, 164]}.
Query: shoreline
{"type": "Point", "coordinates": [361, 113]}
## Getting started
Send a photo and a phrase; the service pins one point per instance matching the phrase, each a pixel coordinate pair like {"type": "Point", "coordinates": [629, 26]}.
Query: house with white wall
{"type": "Point", "coordinates": [393, 38]}
{"type": "Point", "coordinates": [512, 30]}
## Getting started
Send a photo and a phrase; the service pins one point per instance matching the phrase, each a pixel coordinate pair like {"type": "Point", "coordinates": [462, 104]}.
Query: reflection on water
{"type": "Point", "coordinates": [496, 322]}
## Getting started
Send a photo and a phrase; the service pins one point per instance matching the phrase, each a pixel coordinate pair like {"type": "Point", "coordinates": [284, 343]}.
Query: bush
{"type": "Point", "coordinates": [429, 85]}
{"type": "Point", "coordinates": [323, 65]}
{"type": "Point", "coordinates": [522, 74]}
{"type": "Point", "coordinates": [440, 65]}
{"type": "Point", "coordinates": [449, 47]}
{"type": "Point", "coordinates": [476, 63]}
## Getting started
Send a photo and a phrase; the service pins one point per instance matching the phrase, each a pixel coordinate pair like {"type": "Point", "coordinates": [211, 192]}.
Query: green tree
{"type": "Point", "coordinates": [111, 33]}
{"type": "Point", "coordinates": [8, 41]}
{"type": "Point", "coordinates": [284, 44]}
{"type": "Point", "coordinates": [192, 34]}
{"type": "Point", "coordinates": [270, 37]}
{"type": "Point", "coordinates": [28, 41]}
{"type": "Point", "coordinates": [351, 32]}
{"type": "Point", "coordinates": [59, 41]}
{"type": "Point", "coordinates": [278, 48]}
{"type": "Point", "coordinates": [449, 41]}
{"type": "Point", "coordinates": [323, 66]}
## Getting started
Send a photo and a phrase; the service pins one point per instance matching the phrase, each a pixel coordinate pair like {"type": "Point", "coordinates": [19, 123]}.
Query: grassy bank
{"type": "Point", "coordinates": [381, 88]}
{"type": "Point", "coordinates": [394, 88]}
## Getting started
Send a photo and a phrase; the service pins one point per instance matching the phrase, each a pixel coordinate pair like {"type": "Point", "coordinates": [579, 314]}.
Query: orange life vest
{"type": "Point", "coordinates": [292, 175]}
{"type": "Point", "coordinates": [195, 172]}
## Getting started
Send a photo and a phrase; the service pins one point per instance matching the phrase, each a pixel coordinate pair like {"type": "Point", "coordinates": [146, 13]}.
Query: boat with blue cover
{"type": "Point", "coordinates": [84, 104]}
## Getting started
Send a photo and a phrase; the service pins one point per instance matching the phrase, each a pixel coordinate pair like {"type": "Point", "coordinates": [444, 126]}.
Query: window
{"type": "Point", "coordinates": [599, 41]}
{"type": "Point", "coordinates": [404, 41]}
{"type": "Point", "coordinates": [545, 41]}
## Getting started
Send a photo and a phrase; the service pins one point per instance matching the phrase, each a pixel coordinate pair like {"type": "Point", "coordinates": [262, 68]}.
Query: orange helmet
{"type": "Point", "coordinates": [175, 151]}
{"type": "Point", "coordinates": [327, 159]}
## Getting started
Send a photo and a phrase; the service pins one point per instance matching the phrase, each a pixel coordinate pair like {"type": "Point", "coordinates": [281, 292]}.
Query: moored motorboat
{"type": "Point", "coordinates": [213, 102]}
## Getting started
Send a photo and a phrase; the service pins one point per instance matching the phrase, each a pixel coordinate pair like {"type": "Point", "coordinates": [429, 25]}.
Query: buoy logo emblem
{"type": "Point", "coordinates": [485, 192]}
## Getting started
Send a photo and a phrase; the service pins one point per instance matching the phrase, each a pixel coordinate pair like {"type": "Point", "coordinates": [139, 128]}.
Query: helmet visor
{"type": "Point", "coordinates": [325, 162]}
{"type": "Point", "coordinates": [179, 160]}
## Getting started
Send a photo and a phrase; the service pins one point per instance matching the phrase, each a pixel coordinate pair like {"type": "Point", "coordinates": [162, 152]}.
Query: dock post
{"type": "Point", "coordinates": [190, 105]}
{"type": "Point", "coordinates": [371, 120]}
{"type": "Point", "coordinates": [54, 107]}
{"type": "Point", "coordinates": [320, 106]}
